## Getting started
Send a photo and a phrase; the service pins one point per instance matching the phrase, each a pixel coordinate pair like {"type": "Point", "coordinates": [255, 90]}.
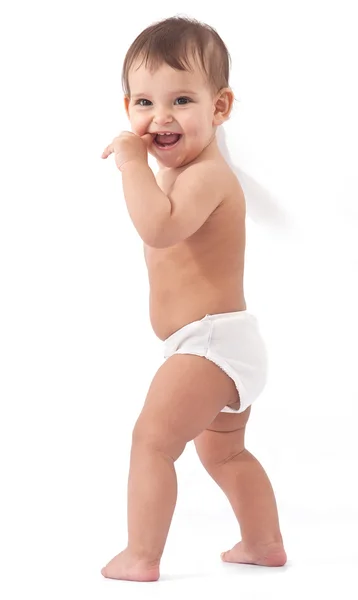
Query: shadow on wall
{"type": "Point", "coordinates": [262, 207]}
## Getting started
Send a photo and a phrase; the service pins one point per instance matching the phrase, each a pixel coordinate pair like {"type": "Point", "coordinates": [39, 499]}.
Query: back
{"type": "Point", "coordinates": [204, 273]}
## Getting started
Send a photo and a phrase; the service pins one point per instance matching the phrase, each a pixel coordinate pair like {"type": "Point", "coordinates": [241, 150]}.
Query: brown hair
{"type": "Point", "coordinates": [175, 41]}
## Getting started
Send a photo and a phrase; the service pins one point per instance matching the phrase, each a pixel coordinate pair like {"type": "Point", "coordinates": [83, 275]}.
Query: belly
{"type": "Point", "coordinates": [172, 308]}
{"type": "Point", "coordinates": [202, 275]}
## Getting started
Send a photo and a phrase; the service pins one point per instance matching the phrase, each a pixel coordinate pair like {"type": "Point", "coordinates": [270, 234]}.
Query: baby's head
{"type": "Point", "coordinates": [176, 80]}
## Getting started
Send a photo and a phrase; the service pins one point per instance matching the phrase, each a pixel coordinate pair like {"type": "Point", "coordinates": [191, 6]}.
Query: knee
{"type": "Point", "coordinates": [215, 448]}
{"type": "Point", "coordinates": [153, 436]}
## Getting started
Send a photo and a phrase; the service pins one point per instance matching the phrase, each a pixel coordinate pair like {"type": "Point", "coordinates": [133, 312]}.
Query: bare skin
{"type": "Point", "coordinates": [202, 275]}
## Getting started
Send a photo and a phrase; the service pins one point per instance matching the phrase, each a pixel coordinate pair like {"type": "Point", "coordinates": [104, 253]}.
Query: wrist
{"type": "Point", "coordinates": [133, 165]}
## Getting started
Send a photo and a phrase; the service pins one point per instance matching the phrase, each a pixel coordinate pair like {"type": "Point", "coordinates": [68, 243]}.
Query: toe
{"type": "Point", "coordinates": [103, 571]}
{"type": "Point", "coordinates": [228, 557]}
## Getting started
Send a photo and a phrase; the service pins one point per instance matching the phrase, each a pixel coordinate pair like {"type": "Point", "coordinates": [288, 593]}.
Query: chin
{"type": "Point", "coordinates": [177, 160]}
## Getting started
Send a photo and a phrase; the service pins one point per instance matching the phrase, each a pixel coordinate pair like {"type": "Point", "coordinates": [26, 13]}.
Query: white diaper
{"type": "Point", "coordinates": [234, 343]}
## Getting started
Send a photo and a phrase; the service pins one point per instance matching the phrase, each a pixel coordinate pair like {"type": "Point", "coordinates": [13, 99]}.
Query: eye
{"type": "Point", "coordinates": [142, 100]}
{"type": "Point", "coordinates": [186, 100]}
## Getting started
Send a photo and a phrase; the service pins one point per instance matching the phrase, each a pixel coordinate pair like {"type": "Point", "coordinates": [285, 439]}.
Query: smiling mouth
{"type": "Point", "coordinates": [166, 141]}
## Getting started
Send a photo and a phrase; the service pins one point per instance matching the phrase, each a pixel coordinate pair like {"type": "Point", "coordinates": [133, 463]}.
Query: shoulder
{"type": "Point", "coordinates": [206, 178]}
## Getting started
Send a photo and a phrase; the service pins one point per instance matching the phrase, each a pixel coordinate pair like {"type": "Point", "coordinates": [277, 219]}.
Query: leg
{"type": "Point", "coordinates": [183, 399]}
{"type": "Point", "coordinates": [243, 480]}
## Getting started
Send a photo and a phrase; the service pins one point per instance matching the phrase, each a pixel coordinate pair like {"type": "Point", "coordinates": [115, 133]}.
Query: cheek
{"type": "Point", "coordinates": [139, 123]}
{"type": "Point", "coordinates": [192, 124]}
{"type": "Point", "coordinates": [198, 128]}
{"type": "Point", "coordinates": [197, 122]}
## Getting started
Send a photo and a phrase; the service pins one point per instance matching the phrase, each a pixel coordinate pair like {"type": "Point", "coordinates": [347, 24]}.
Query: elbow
{"type": "Point", "coordinates": [157, 242]}
{"type": "Point", "coordinates": [161, 237]}
{"type": "Point", "coordinates": [164, 238]}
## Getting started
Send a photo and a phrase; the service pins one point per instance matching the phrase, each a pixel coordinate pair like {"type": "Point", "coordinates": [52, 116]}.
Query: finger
{"type": "Point", "coordinates": [147, 139]}
{"type": "Point", "coordinates": [107, 151]}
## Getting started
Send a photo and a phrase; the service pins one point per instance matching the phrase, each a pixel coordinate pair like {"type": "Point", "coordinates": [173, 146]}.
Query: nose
{"type": "Point", "coordinates": [162, 117]}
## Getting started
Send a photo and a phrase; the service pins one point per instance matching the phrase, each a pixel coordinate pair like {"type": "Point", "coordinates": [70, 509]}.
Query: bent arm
{"type": "Point", "coordinates": [148, 207]}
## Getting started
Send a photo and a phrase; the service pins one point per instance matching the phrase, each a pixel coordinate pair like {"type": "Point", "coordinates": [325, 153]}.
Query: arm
{"type": "Point", "coordinates": [164, 221]}
{"type": "Point", "coordinates": [148, 207]}
{"type": "Point", "coordinates": [196, 193]}
{"type": "Point", "coordinates": [161, 220]}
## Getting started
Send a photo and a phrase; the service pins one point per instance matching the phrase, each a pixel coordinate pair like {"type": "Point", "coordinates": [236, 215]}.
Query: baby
{"type": "Point", "coordinates": [191, 218]}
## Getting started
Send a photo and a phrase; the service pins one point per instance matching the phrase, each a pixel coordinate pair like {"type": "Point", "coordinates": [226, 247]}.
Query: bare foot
{"type": "Point", "coordinates": [126, 566]}
{"type": "Point", "coordinates": [271, 555]}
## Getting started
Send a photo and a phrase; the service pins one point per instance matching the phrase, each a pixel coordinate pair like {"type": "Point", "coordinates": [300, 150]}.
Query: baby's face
{"type": "Point", "coordinates": [172, 101]}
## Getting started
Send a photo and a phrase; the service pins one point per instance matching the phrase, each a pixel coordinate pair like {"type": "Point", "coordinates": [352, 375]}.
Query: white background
{"type": "Point", "coordinates": [77, 349]}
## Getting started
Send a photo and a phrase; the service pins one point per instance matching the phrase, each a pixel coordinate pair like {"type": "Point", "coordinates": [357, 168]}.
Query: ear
{"type": "Point", "coordinates": [223, 102]}
{"type": "Point", "coordinates": [126, 105]}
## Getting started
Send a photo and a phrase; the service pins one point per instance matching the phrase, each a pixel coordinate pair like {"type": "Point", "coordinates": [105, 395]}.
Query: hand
{"type": "Point", "coordinates": [128, 147]}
